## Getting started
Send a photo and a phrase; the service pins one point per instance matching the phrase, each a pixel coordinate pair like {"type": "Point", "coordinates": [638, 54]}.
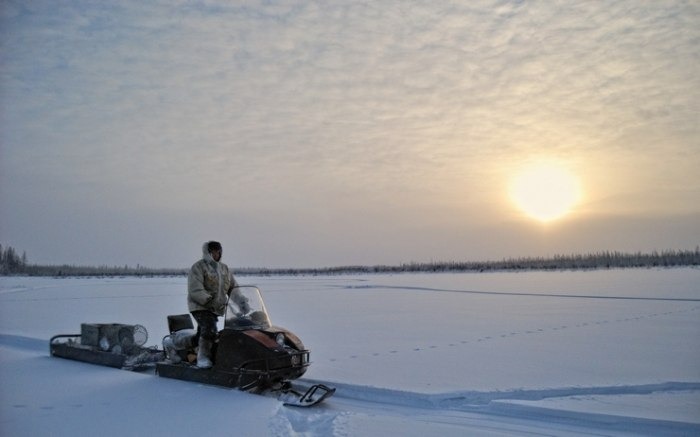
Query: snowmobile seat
{"type": "Point", "coordinates": [180, 322]}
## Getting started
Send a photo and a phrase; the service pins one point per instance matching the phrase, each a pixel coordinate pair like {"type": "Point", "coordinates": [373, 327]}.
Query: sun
{"type": "Point", "coordinates": [545, 191]}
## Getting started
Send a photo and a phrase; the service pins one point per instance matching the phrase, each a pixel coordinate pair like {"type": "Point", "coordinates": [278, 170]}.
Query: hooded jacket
{"type": "Point", "coordinates": [209, 284]}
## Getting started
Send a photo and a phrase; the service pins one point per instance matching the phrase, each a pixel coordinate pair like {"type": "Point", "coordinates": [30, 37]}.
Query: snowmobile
{"type": "Point", "coordinates": [249, 354]}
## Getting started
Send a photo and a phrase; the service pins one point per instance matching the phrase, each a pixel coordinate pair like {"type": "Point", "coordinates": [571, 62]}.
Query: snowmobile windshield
{"type": "Point", "coordinates": [246, 309]}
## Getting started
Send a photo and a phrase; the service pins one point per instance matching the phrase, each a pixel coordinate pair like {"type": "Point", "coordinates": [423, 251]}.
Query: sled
{"type": "Point", "coordinates": [108, 344]}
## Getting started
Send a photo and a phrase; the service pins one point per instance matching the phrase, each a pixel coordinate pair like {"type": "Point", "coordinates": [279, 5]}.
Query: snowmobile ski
{"type": "Point", "coordinates": [314, 395]}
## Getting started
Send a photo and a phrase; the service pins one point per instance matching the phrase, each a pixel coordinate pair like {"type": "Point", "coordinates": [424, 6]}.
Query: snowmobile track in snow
{"type": "Point", "coordinates": [498, 404]}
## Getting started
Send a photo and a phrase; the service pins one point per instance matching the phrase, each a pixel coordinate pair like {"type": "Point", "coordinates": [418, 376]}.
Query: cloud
{"type": "Point", "coordinates": [271, 107]}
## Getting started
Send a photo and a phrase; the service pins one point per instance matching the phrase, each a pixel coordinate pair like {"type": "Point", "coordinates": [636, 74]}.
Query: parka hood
{"type": "Point", "coordinates": [206, 256]}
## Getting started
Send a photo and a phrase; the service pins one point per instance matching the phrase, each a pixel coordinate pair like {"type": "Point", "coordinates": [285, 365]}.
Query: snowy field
{"type": "Point", "coordinates": [495, 354]}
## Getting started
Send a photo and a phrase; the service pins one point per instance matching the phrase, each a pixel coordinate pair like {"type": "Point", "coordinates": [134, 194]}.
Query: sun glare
{"type": "Point", "coordinates": [545, 191]}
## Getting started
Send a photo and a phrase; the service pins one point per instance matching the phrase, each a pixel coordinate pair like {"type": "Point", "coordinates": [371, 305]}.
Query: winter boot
{"type": "Point", "coordinates": [171, 351]}
{"type": "Point", "coordinates": [204, 353]}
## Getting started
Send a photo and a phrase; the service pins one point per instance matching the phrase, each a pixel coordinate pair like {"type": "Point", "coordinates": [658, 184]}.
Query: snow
{"type": "Point", "coordinates": [608, 352]}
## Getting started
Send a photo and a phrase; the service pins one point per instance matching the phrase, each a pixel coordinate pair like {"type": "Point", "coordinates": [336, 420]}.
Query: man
{"type": "Point", "coordinates": [209, 285]}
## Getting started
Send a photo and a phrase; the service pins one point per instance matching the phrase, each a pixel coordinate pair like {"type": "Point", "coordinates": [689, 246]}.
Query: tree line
{"type": "Point", "coordinates": [11, 263]}
{"type": "Point", "coordinates": [601, 260]}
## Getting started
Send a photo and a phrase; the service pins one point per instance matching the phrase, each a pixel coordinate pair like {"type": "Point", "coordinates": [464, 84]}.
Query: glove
{"type": "Point", "coordinates": [221, 304]}
{"type": "Point", "coordinates": [243, 304]}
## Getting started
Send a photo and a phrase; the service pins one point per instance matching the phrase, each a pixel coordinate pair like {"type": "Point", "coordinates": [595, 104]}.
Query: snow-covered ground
{"type": "Point", "coordinates": [540, 353]}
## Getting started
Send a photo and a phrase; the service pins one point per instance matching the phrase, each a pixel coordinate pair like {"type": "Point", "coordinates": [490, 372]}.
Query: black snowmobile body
{"type": "Point", "coordinates": [244, 359]}
{"type": "Point", "coordinates": [249, 352]}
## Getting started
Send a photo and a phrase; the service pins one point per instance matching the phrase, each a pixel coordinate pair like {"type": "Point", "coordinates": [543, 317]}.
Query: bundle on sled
{"type": "Point", "coordinates": [109, 344]}
{"type": "Point", "coordinates": [249, 354]}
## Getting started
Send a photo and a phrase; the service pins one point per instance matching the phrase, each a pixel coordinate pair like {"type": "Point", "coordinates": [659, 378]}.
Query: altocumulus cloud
{"type": "Point", "coordinates": [385, 110]}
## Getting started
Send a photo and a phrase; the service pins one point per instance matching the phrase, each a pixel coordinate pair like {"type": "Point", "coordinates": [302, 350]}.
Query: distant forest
{"type": "Point", "coordinates": [11, 263]}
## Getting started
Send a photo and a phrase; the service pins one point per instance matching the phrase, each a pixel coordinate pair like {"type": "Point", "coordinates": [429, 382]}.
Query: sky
{"type": "Point", "coordinates": [308, 134]}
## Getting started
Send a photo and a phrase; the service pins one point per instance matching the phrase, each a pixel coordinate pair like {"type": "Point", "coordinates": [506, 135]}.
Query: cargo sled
{"type": "Point", "coordinates": [109, 344]}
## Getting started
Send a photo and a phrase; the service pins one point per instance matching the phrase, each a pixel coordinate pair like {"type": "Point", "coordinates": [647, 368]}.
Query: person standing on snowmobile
{"type": "Point", "coordinates": [209, 285]}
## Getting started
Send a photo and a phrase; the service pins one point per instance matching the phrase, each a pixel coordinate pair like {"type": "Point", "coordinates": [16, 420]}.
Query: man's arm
{"type": "Point", "coordinates": [238, 298]}
{"type": "Point", "coordinates": [233, 282]}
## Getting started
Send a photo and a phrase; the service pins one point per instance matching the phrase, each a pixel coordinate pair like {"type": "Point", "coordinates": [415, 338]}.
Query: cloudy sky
{"type": "Point", "coordinates": [303, 133]}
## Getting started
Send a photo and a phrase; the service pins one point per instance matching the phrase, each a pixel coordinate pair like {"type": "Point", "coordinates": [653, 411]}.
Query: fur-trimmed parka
{"type": "Point", "coordinates": [209, 284]}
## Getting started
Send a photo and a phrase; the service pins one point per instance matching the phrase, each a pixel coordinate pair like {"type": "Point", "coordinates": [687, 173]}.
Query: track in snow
{"type": "Point", "coordinates": [491, 412]}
